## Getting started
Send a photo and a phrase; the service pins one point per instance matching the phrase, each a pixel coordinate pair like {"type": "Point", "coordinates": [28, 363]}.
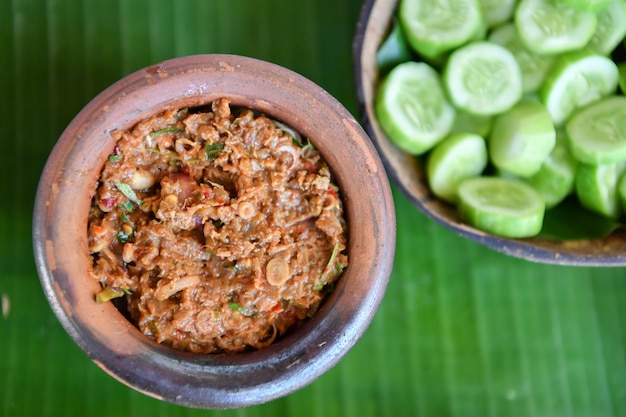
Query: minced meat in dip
{"type": "Point", "coordinates": [221, 227]}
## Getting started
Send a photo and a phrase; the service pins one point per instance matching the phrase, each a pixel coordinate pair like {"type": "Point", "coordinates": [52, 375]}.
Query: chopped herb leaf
{"type": "Point", "coordinates": [109, 293]}
{"type": "Point", "coordinates": [295, 136]}
{"type": "Point", "coordinates": [309, 145]}
{"type": "Point", "coordinates": [122, 237]}
{"type": "Point", "coordinates": [125, 217]}
{"type": "Point", "coordinates": [246, 311]}
{"type": "Point", "coordinates": [213, 150]}
{"type": "Point", "coordinates": [115, 158]}
{"type": "Point", "coordinates": [304, 146]}
{"type": "Point", "coordinates": [171, 129]}
{"type": "Point", "coordinates": [332, 270]}
{"type": "Point", "coordinates": [128, 192]}
{"type": "Point", "coordinates": [126, 206]}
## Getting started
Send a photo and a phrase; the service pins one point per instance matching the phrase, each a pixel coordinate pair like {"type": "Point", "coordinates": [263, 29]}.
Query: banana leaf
{"type": "Point", "coordinates": [462, 331]}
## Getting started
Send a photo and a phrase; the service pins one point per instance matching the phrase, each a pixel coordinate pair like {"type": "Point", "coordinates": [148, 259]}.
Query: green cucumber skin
{"type": "Point", "coordinates": [560, 68]}
{"type": "Point", "coordinates": [611, 28]}
{"type": "Point", "coordinates": [387, 108]}
{"type": "Point", "coordinates": [536, 39]}
{"type": "Point", "coordinates": [555, 180]}
{"type": "Point", "coordinates": [471, 98]}
{"type": "Point", "coordinates": [430, 42]}
{"type": "Point", "coordinates": [456, 158]}
{"type": "Point", "coordinates": [550, 177]}
{"type": "Point", "coordinates": [591, 6]}
{"type": "Point", "coordinates": [522, 139]}
{"type": "Point", "coordinates": [599, 198]}
{"type": "Point", "coordinates": [492, 224]}
{"type": "Point", "coordinates": [591, 147]}
{"type": "Point", "coordinates": [486, 203]}
{"type": "Point", "coordinates": [534, 67]}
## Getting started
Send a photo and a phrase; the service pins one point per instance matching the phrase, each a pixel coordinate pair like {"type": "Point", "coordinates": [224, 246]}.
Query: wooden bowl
{"type": "Point", "coordinates": [408, 173]}
{"type": "Point", "coordinates": [212, 381]}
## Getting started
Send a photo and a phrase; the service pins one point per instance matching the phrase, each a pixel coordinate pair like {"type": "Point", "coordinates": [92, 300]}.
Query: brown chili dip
{"type": "Point", "coordinates": [220, 227]}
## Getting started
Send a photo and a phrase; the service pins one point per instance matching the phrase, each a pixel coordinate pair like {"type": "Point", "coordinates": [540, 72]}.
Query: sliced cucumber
{"type": "Point", "coordinates": [481, 33]}
{"type": "Point", "coordinates": [546, 27]}
{"type": "Point", "coordinates": [458, 157]}
{"type": "Point", "coordinates": [501, 206]}
{"type": "Point", "coordinates": [470, 123]}
{"type": "Point", "coordinates": [434, 27]}
{"type": "Point", "coordinates": [622, 77]}
{"type": "Point", "coordinates": [596, 188]}
{"type": "Point", "coordinates": [555, 179]}
{"type": "Point", "coordinates": [394, 50]}
{"type": "Point", "coordinates": [592, 6]}
{"type": "Point", "coordinates": [534, 67]}
{"type": "Point", "coordinates": [496, 12]}
{"type": "Point", "coordinates": [597, 134]}
{"type": "Point", "coordinates": [577, 79]}
{"type": "Point", "coordinates": [611, 28]}
{"type": "Point", "coordinates": [412, 108]}
{"type": "Point", "coordinates": [621, 191]}
{"type": "Point", "coordinates": [483, 78]}
{"type": "Point", "coordinates": [522, 139]}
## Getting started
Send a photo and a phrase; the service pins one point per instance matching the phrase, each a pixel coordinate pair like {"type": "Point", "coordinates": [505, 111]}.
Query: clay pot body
{"type": "Point", "coordinates": [212, 381]}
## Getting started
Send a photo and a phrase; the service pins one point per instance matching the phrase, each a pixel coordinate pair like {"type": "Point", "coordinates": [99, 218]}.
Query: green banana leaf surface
{"type": "Point", "coordinates": [463, 331]}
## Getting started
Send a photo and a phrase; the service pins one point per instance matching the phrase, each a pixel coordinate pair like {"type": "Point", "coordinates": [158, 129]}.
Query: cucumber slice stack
{"type": "Point", "coordinates": [515, 106]}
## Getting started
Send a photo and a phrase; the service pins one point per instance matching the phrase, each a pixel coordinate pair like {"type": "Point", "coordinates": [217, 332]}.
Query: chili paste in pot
{"type": "Point", "coordinates": [222, 228]}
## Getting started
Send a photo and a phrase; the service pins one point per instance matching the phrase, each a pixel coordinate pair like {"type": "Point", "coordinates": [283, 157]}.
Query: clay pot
{"type": "Point", "coordinates": [212, 381]}
{"type": "Point", "coordinates": [408, 173]}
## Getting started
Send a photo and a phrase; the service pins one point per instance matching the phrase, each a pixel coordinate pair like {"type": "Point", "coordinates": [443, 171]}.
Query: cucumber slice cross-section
{"type": "Point", "coordinates": [456, 158]}
{"type": "Point", "coordinates": [412, 107]}
{"type": "Point", "coordinates": [597, 188]}
{"type": "Point", "coordinates": [501, 206]}
{"type": "Point", "coordinates": [434, 27]}
{"type": "Point", "coordinates": [611, 28]}
{"type": "Point", "coordinates": [548, 27]}
{"type": "Point", "coordinates": [522, 139]}
{"type": "Point", "coordinates": [483, 78]}
{"type": "Point", "coordinates": [597, 134]}
{"type": "Point", "coordinates": [575, 80]}
{"type": "Point", "coordinates": [534, 66]}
